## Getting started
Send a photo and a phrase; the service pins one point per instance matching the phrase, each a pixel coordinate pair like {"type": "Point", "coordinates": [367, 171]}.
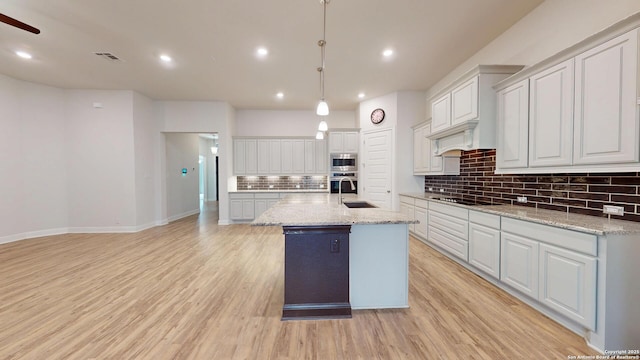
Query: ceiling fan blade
{"type": "Point", "coordinates": [19, 24]}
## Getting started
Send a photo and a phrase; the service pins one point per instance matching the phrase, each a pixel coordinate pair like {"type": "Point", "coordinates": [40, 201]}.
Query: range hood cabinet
{"type": "Point", "coordinates": [464, 113]}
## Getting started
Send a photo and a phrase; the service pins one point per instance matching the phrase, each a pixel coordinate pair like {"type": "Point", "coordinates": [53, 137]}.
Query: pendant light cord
{"type": "Point", "coordinates": [322, 44]}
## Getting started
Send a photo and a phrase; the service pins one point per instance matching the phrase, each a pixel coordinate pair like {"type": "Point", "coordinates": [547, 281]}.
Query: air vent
{"type": "Point", "coordinates": [108, 56]}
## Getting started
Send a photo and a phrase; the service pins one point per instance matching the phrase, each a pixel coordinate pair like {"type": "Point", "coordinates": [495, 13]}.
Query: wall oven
{"type": "Point", "coordinates": [346, 185]}
{"type": "Point", "coordinates": [344, 162]}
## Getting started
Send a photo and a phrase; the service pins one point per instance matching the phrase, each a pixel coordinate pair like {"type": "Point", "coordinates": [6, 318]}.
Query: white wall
{"type": "Point", "coordinates": [402, 110]}
{"type": "Point", "coordinates": [182, 151]}
{"type": "Point", "coordinates": [289, 123]}
{"type": "Point", "coordinates": [145, 138]}
{"type": "Point", "coordinates": [33, 176]}
{"type": "Point", "coordinates": [551, 27]}
{"type": "Point", "coordinates": [101, 161]}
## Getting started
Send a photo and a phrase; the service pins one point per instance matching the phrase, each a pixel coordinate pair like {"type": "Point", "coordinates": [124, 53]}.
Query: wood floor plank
{"type": "Point", "coordinates": [196, 290]}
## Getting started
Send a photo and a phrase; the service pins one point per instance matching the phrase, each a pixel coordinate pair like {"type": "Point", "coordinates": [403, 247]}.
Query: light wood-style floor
{"type": "Point", "coordinates": [196, 290]}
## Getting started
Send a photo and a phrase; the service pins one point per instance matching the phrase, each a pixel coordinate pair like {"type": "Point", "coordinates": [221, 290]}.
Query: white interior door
{"type": "Point", "coordinates": [376, 170]}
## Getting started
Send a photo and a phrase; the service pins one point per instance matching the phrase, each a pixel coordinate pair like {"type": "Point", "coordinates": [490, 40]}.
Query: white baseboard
{"type": "Point", "coordinates": [224, 222]}
{"type": "Point", "coordinates": [32, 234]}
{"type": "Point", "coordinates": [183, 215]}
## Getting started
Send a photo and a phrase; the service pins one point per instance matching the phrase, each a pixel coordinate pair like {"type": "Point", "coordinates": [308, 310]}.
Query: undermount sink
{"type": "Point", "coordinates": [358, 204]}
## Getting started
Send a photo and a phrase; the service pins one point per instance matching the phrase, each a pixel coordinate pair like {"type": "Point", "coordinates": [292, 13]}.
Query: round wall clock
{"type": "Point", "coordinates": [377, 116]}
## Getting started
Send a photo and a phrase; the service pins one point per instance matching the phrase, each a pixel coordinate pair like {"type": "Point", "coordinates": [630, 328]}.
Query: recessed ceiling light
{"type": "Point", "coordinates": [165, 58]}
{"type": "Point", "coordinates": [280, 95]}
{"type": "Point", "coordinates": [361, 96]}
{"type": "Point", "coordinates": [262, 52]}
{"type": "Point", "coordinates": [24, 55]}
{"type": "Point", "coordinates": [387, 53]}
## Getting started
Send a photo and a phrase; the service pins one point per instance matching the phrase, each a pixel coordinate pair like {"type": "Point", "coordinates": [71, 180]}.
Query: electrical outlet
{"type": "Point", "coordinates": [249, 186]}
{"type": "Point", "coordinates": [613, 210]}
{"type": "Point", "coordinates": [522, 199]}
{"type": "Point", "coordinates": [441, 190]}
{"type": "Point", "coordinates": [270, 186]}
{"type": "Point", "coordinates": [430, 189]}
{"type": "Point", "coordinates": [297, 186]}
{"type": "Point", "coordinates": [335, 246]}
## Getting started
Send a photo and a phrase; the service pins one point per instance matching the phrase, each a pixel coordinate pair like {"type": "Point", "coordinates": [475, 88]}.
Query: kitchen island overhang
{"type": "Point", "coordinates": [332, 251]}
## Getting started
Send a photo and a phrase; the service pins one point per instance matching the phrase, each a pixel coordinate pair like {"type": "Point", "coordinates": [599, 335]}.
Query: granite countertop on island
{"type": "Point", "coordinates": [313, 209]}
{"type": "Point", "coordinates": [578, 222]}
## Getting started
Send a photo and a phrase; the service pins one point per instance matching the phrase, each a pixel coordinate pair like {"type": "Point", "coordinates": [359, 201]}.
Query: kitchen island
{"type": "Point", "coordinates": [338, 258]}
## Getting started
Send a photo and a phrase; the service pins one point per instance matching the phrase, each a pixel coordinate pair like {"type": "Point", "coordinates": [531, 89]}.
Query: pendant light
{"type": "Point", "coordinates": [323, 107]}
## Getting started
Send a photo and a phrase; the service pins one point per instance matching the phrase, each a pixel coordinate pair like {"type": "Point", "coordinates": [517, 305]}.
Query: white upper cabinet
{"type": "Point", "coordinates": [551, 116]}
{"type": "Point", "coordinates": [270, 156]}
{"type": "Point", "coordinates": [343, 142]}
{"type": "Point", "coordinates": [463, 113]}
{"type": "Point", "coordinates": [464, 102]}
{"type": "Point", "coordinates": [441, 113]}
{"type": "Point", "coordinates": [245, 156]}
{"type": "Point", "coordinates": [606, 123]}
{"type": "Point", "coordinates": [421, 150]}
{"type": "Point", "coordinates": [512, 126]}
{"type": "Point", "coordinates": [425, 162]}
{"type": "Point", "coordinates": [583, 109]}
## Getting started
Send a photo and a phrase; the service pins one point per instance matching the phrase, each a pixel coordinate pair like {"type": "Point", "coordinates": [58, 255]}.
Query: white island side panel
{"type": "Point", "coordinates": [379, 266]}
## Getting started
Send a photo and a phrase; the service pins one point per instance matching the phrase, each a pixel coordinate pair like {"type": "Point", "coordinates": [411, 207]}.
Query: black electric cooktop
{"type": "Point", "coordinates": [463, 201]}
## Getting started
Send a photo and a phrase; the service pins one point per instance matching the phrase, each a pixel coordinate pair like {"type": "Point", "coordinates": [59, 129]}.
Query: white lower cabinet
{"type": "Point", "coordinates": [420, 214]}
{"type": "Point", "coordinates": [407, 207]}
{"type": "Point", "coordinates": [449, 228]}
{"type": "Point", "coordinates": [568, 284]}
{"type": "Point", "coordinates": [557, 267]}
{"type": "Point", "coordinates": [241, 207]}
{"type": "Point", "coordinates": [484, 242]}
{"type": "Point", "coordinates": [519, 263]}
{"type": "Point", "coordinates": [264, 201]}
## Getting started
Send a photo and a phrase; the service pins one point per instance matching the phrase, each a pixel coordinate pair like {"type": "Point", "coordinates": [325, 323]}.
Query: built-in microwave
{"type": "Point", "coordinates": [344, 162]}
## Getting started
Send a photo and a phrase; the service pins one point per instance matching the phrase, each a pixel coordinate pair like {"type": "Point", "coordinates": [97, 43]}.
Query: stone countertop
{"type": "Point", "coordinates": [583, 223]}
{"type": "Point", "coordinates": [323, 209]}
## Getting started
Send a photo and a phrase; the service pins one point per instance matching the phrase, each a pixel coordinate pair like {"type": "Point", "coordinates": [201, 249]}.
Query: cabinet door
{"type": "Point", "coordinates": [484, 249]}
{"type": "Point", "coordinates": [248, 210]}
{"type": "Point", "coordinates": [513, 119]}
{"type": "Point", "coordinates": [420, 228]}
{"type": "Point", "coordinates": [309, 156]}
{"type": "Point", "coordinates": [351, 144]}
{"type": "Point", "coordinates": [251, 157]}
{"type": "Point", "coordinates": [263, 156]}
{"type": "Point", "coordinates": [434, 163]}
{"type": "Point", "coordinates": [568, 284]}
{"type": "Point", "coordinates": [260, 206]}
{"type": "Point", "coordinates": [235, 209]}
{"type": "Point", "coordinates": [606, 125]}
{"type": "Point", "coordinates": [336, 142]}
{"type": "Point", "coordinates": [298, 156]}
{"type": "Point", "coordinates": [551, 116]}
{"type": "Point", "coordinates": [322, 158]}
{"type": "Point", "coordinates": [275, 157]}
{"type": "Point", "coordinates": [239, 154]}
{"type": "Point", "coordinates": [419, 152]}
{"type": "Point", "coordinates": [408, 210]}
{"type": "Point", "coordinates": [441, 113]}
{"type": "Point", "coordinates": [286, 156]}
{"type": "Point", "coordinates": [519, 263]}
{"type": "Point", "coordinates": [464, 102]}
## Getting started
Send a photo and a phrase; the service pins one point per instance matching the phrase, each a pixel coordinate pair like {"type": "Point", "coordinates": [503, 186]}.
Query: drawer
{"type": "Point", "coordinates": [407, 200]}
{"type": "Point", "coordinates": [240, 196]}
{"type": "Point", "coordinates": [452, 210]}
{"type": "Point", "coordinates": [267, 196]}
{"type": "Point", "coordinates": [488, 220]}
{"type": "Point", "coordinates": [451, 244]}
{"type": "Point", "coordinates": [449, 224]}
{"type": "Point", "coordinates": [568, 239]}
{"type": "Point", "coordinates": [422, 203]}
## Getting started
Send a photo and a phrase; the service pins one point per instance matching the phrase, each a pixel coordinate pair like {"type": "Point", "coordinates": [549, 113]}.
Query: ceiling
{"type": "Point", "coordinates": [213, 46]}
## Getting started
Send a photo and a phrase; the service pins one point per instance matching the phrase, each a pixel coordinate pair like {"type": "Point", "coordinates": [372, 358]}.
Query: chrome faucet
{"type": "Point", "coordinates": [353, 187]}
